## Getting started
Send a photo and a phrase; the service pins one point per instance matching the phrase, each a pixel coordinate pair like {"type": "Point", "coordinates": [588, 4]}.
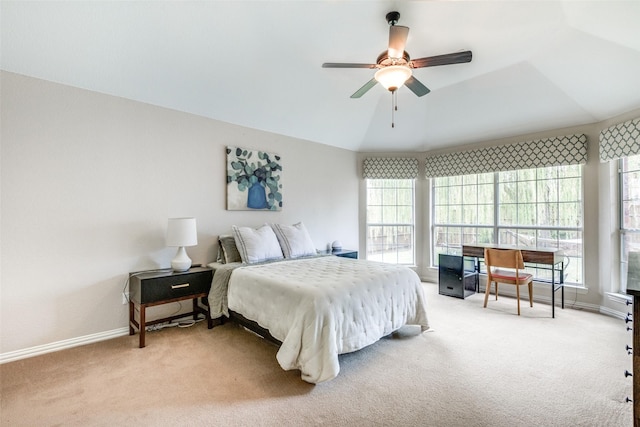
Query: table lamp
{"type": "Point", "coordinates": [181, 232]}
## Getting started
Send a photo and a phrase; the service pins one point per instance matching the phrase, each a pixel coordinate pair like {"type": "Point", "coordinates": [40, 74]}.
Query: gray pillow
{"type": "Point", "coordinates": [227, 249]}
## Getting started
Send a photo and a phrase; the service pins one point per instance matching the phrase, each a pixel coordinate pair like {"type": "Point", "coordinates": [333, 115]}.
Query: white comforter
{"type": "Point", "coordinates": [326, 306]}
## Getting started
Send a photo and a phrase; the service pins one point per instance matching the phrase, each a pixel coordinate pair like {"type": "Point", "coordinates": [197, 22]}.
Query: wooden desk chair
{"type": "Point", "coordinates": [506, 266]}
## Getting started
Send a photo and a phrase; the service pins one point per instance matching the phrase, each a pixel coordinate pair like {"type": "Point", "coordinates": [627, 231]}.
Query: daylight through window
{"type": "Point", "coordinates": [390, 220]}
{"type": "Point", "coordinates": [540, 207]}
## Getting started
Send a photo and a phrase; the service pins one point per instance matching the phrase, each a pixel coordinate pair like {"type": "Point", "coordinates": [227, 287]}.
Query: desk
{"type": "Point", "coordinates": [547, 256]}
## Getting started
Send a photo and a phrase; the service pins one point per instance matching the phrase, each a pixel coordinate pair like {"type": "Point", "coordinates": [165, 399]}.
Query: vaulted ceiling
{"type": "Point", "coordinates": [537, 65]}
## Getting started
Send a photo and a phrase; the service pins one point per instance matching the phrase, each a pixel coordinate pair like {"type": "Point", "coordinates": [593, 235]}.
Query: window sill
{"type": "Point", "coordinates": [581, 289]}
{"type": "Point", "coordinates": [618, 297]}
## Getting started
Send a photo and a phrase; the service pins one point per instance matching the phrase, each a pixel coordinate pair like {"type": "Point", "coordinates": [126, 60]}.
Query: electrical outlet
{"type": "Point", "coordinates": [125, 298]}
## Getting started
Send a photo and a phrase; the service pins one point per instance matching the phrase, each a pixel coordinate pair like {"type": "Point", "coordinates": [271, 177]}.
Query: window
{"type": "Point", "coordinates": [390, 220]}
{"type": "Point", "coordinates": [528, 208]}
{"type": "Point", "coordinates": [629, 212]}
{"type": "Point", "coordinates": [463, 212]}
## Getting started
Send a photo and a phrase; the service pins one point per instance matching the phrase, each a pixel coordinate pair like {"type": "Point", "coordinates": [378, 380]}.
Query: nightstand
{"type": "Point", "coordinates": [345, 253]}
{"type": "Point", "coordinates": [147, 289]}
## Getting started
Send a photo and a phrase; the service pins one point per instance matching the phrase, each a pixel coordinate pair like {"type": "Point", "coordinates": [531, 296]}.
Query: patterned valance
{"type": "Point", "coordinates": [621, 140]}
{"type": "Point", "coordinates": [561, 150]}
{"type": "Point", "coordinates": [390, 168]}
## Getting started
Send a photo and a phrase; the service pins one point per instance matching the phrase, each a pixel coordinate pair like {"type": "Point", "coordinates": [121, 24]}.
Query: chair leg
{"type": "Point", "coordinates": [486, 293]}
{"type": "Point", "coordinates": [531, 294]}
{"type": "Point", "coordinates": [518, 297]}
{"type": "Point", "coordinates": [496, 291]}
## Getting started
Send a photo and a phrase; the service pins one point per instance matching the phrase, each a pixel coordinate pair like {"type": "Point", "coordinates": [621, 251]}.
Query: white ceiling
{"type": "Point", "coordinates": [537, 65]}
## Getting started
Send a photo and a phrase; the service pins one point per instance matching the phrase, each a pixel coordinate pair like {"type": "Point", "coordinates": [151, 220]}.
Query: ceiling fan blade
{"type": "Point", "coordinates": [450, 58]}
{"type": "Point", "coordinates": [416, 86]}
{"type": "Point", "coordinates": [346, 65]}
{"type": "Point", "coordinates": [364, 89]}
{"type": "Point", "coordinates": [397, 40]}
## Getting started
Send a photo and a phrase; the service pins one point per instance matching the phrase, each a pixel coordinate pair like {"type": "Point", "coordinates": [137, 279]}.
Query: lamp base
{"type": "Point", "coordinates": [181, 262]}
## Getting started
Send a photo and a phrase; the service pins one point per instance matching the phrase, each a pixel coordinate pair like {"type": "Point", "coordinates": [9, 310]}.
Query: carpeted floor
{"type": "Point", "coordinates": [475, 367]}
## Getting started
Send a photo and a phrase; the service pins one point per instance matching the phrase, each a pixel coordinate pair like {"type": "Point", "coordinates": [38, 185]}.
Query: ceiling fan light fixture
{"type": "Point", "coordinates": [392, 77]}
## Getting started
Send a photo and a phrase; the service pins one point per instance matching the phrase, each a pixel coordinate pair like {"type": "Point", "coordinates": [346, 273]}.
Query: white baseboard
{"type": "Point", "coordinates": [613, 313]}
{"type": "Point", "coordinates": [62, 345]}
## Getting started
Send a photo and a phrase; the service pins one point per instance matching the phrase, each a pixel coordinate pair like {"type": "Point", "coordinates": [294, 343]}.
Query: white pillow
{"type": "Point", "coordinates": [256, 245]}
{"type": "Point", "coordinates": [294, 240]}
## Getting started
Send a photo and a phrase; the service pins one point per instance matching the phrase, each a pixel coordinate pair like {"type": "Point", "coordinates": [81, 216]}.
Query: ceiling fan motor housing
{"type": "Point", "coordinates": [384, 60]}
{"type": "Point", "coordinates": [393, 18]}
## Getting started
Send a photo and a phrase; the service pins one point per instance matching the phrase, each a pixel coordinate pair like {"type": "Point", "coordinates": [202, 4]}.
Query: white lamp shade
{"type": "Point", "coordinates": [182, 232]}
{"type": "Point", "coordinates": [393, 77]}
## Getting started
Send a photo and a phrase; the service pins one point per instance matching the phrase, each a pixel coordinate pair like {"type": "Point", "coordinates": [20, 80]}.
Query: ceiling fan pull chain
{"type": "Point", "coordinates": [393, 108]}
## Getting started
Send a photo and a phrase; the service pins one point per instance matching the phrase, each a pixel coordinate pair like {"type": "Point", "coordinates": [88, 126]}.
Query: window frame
{"type": "Point", "coordinates": [395, 224]}
{"type": "Point", "coordinates": [625, 234]}
{"type": "Point", "coordinates": [497, 228]}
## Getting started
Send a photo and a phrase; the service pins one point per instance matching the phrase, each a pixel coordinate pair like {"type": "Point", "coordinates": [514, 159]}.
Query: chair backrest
{"type": "Point", "coordinates": [504, 258]}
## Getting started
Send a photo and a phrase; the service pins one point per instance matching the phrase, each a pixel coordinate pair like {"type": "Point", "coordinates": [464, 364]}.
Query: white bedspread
{"type": "Point", "coordinates": [322, 307]}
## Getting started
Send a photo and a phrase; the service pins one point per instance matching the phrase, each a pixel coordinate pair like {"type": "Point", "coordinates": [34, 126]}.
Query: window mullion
{"type": "Point", "coordinates": [496, 206]}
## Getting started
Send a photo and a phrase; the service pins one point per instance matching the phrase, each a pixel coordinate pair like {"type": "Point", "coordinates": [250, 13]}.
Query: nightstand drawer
{"type": "Point", "coordinates": [149, 288]}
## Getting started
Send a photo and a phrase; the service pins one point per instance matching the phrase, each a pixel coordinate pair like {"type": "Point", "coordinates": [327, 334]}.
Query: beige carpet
{"type": "Point", "coordinates": [476, 367]}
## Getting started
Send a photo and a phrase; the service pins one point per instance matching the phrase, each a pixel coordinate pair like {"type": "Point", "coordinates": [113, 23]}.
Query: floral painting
{"type": "Point", "coordinates": [254, 180]}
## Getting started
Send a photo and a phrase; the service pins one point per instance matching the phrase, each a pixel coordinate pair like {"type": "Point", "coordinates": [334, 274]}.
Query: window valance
{"type": "Point", "coordinates": [561, 150]}
{"type": "Point", "coordinates": [390, 168]}
{"type": "Point", "coordinates": [621, 140]}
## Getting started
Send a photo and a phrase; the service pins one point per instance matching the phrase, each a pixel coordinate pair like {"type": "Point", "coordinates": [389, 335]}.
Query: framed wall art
{"type": "Point", "coordinates": [254, 180]}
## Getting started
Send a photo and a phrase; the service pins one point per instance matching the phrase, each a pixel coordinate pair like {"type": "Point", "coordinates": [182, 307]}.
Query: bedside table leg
{"type": "Point", "coordinates": [131, 319]}
{"type": "Point", "coordinates": [143, 326]}
{"type": "Point", "coordinates": [195, 308]}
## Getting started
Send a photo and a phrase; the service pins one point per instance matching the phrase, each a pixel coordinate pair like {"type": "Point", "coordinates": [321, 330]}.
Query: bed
{"type": "Point", "coordinates": [318, 307]}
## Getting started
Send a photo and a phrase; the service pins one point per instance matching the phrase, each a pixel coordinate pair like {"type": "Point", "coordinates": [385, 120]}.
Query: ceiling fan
{"type": "Point", "coordinates": [395, 66]}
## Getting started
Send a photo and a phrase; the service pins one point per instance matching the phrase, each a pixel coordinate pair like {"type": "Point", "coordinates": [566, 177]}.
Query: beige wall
{"type": "Point", "coordinates": [88, 182]}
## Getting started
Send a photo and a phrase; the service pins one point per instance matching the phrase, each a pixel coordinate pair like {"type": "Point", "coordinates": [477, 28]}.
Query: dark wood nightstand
{"type": "Point", "coordinates": [147, 289]}
{"type": "Point", "coordinates": [345, 253]}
